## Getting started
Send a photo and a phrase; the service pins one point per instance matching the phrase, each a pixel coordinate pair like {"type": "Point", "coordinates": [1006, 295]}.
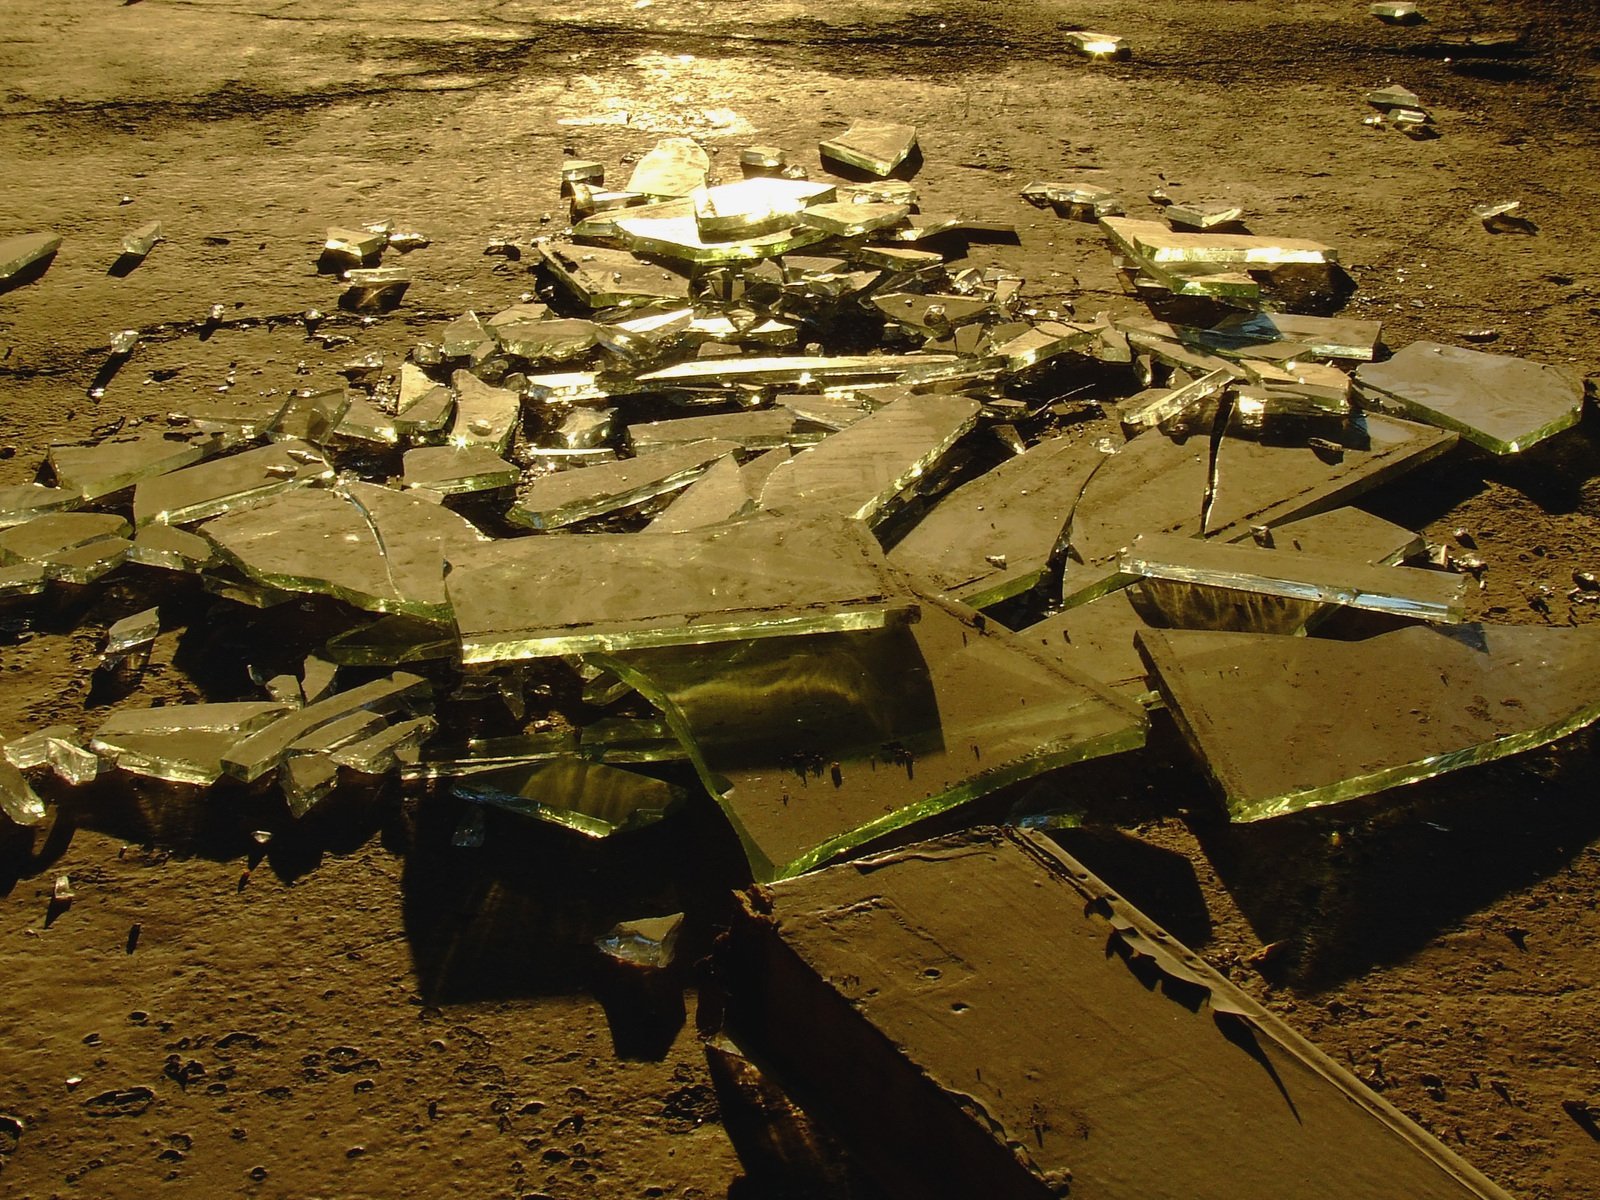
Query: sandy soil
{"type": "Point", "coordinates": [368, 1011]}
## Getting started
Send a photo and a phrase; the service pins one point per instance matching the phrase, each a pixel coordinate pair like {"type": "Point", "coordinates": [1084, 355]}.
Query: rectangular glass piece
{"type": "Point", "coordinates": [137, 243]}
{"type": "Point", "coordinates": [860, 471]}
{"type": "Point", "coordinates": [226, 484]}
{"type": "Point", "coordinates": [1324, 337]}
{"type": "Point", "coordinates": [815, 745]}
{"type": "Point", "coordinates": [1348, 533]}
{"type": "Point", "coordinates": [797, 370]}
{"type": "Point", "coordinates": [262, 751]}
{"type": "Point", "coordinates": [536, 597]}
{"type": "Point", "coordinates": [876, 147]}
{"type": "Point", "coordinates": [1270, 718]}
{"type": "Point", "coordinates": [485, 416]}
{"type": "Point", "coordinates": [1156, 485]}
{"type": "Point", "coordinates": [28, 250]}
{"type": "Point", "coordinates": [576, 494]}
{"type": "Point", "coordinates": [1157, 407]}
{"type": "Point", "coordinates": [606, 278]}
{"type": "Point", "coordinates": [1202, 216]}
{"type": "Point", "coordinates": [851, 219]}
{"type": "Point", "coordinates": [354, 246]}
{"type": "Point", "coordinates": [371, 546]}
{"type": "Point", "coordinates": [756, 429]}
{"type": "Point", "coordinates": [680, 238]}
{"type": "Point", "coordinates": [23, 502]}
{"type": "Point", "coordinates": [587, 797]}
{"type": "Point", "coordinates": [117, 463]}
{"type": "Point", "coordinates": [1153, 242]}
{"type": "Point", "coordinates": [181, 743]}
{"type": "Point", "coordinates": [994, 538]}
{"type": "Point", "coordinates": [1422, 595]}
{"type": "Point", "coordinates": [755, 206]}
{"type": "Point", "coordinates": [386, 749]}
{"type": "Point", "coordinates": [897, 986]}
{"type": "Point", "coordinates": [458, 470]}
{"type": "Point", "coordinates": [1501, 403]}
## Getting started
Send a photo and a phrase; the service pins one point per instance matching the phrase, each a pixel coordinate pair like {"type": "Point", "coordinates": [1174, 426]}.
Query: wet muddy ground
{"type": "Point", "coordinates": [368, 1011]}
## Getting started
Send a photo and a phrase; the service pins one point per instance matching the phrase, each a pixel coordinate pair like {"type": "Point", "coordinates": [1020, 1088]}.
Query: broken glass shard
{"type": "Point", "coordinates": [585, 428]}
{"type": "Point", "coordinates": [132, 636]}
{"type": "Point", "coordinates": [21, 257]}
{"type": "Point", "coordinates": [1194, 583]}
{"type": "Point", "coordinates": [932, 313]}
{"type": "Point", "coordinates": [605, 278]}
{"type": "Point", "coordinates": [852, 219]}
{"type": "Point", "coordinates": [1160, 406]}
{"type": "Point", "coordinates": [171, 549]}
{"type": "Point", "coordinates": [1044, 341]}
{"type": "Point", "coordinates": [1504, 216]}
{"type": "Point", "coordinates": [577, 494]}
{"type": "Point", "coordinates": [1080, 201]}
{"type": "Point", "coordinates": [22, 579]}
{"type": "Point", "coordinates": [550, 339]}
{"type": "Point", "coordinates": [458, 470]}
{"type": "Point", "coordinates": [590, 798]}
{"type": "Point", "coordinates": [798, 370]}
{"type": "Point", "coordinates": [310, 416]}
{"type": "Point", "coordinates": [1397, 12]}
{"type": "Point", "coordinates": [23, 502]}
{"type": "Point", "coordinates": [116, 463]}
{"type": "Point", "coordinates": [1347, 533]}
{"type": "Point", "coordinates": [758, 578]}
{"type": "Point", "coordinates": [1097, 639]}
{"type": "Point", "coordinates": [994, 537]}
{"type": "Point", "coordinates": [876, 147]}
{"type": "Point", "coordinates": [226, 484]}
{"type": "Point", "coordinates": [375, 289]}
{"type": "Point", "coordinates": [71, 547]}
{"type": "Point", "coordinates": [371, 546]}
{"type": "Point", "coordinates": [461, 337]}
{"type": "Point", "coordinates": [1153, 242]}
{"type": "Point", "coordinates": [675, 167]}
{"type": "Point", "coordinates": [57, 747]}
{"type": "Point", "coordinates": [679, 237]}
{"type": "Point", "coordinates": [1394, 96]}
{"type": "Point", "coordinates": [815, 745]}
{"type": "Point", "coordinates": [583, 170]}
{"type": "Point", "coordinates": [306, 779]}
{"type": "Point", "coordinates": [1271, 717]}
{"type": "Point", "coordinates": [386, 749]}
{"type": "Point", "coordinates": [19, 803]}
{"type": "Point", "coordinates": [861, 471]}
{"type": "Point", "coordinates": [1097, 45]}
{"type": "Point", "coordinates": [722, 493]}
{"type": "Point", "coordinates": [1202, 216]}
{"type": "Point", "coordinates": [763, 158]}
{"type": "Point", "coordinates": [364, 422]}
{"type": "Point", "coordinates": [648, 944]}
{"type": "Point", "coordinates": [139, 242]}
{"type": "Point", "coordinates": [485, 416]}
{"type": "Point", "coordinates": [1323, 337]}
{"type": "Point", "coordinates": [181, 743]}
{"type": "Point", "coordinates": [354, 246]}
{"type": "Point", "coordinates": [1501, 403]}
{"type": "Point", "coordinates": [392, 641]}
{"type": "Point", "coordinates": [425, 416]}
{"type": "Point", "coordinates": [757, 429]}
{"type": "Point", "coordinates": [755, 206]}
{"type": "Point", "coordinates": [263, 750]}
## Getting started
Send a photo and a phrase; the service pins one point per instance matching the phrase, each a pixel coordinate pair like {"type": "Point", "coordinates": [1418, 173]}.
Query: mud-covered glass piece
{"type": "Point", "coordinates": [19, 803]}
{"type": "Point", "coordinates": [1283, 724]}
{"type": "Point", "coordinates": [458, 470]}
{"type": "Point", "coordinates": [1501, 403]}
{"type": "Point", "coordinates": [755, 206]}
{"type": "Point", "coordinates": [861, 471]}
{"type": "Point", "coordinates": [1042, 342]}
{"type": "Point", "coordinates": [485, 416]}
{"type": "Point", "coordinates": [590, 798]}
{"type": "Point", "coordinates": [353, 247]}
{"type": "Point", "coordinates": [675, 167]}
{"type": "Point", "coordinates": [225, 484]}
{"type": "Point", "coordinates": [758, 578]}
{"type": "Point", "coordinates": [994, 537]}
{"type": "Point", "coordinates": [876, 147]}
{"type": "Point", "coordinates": [375, 289]}
{"type": "Point", "coordinates": [580, 493]}
{"type": "Point", "coordinates": [181, 743]}
{"type": "Point", "coordinates": [763, 158]}
{"type": "Point", "coordinates": [1196, 583]}
{"type": "Point", "coordinates": [371, 546]}
{"type": "Point", "coordinates": [814, 745]}
{"type": "Point", "coordinates": [263, 750]}
{"type": "Point", "coordinates": [117, 463]}
{"type": "Point", "coordinates": [137, 243]}
{"type": "Point", "coordinates": [1322, 337]}
{"type": "Point", "coordinates": [391, 641]}
{"type": "Point", "coordinates": [23, 502]}
{"type": "Point", "coordinates": [932, 313]}
{"type": "Point", "coordinates": [1394, 95]}
{"type": "Point", "coordinates": [757, 429]}
{"type": "Point", "coordinates": [1097, 640]}
{"type": "Point", "coordinates": [425, 417]}
{"type": "Point", "coordinates": [1160, 406]}
{"type": "Point", "coordinates": [171, 549]}
{"type": "Point", "coordinates": [1504, 216]}
{"type": "Point", "coordinates": [551, 340]}
{"type": "Point", "coordinates": [583, 170]}
{"type": "Point", "coordinates": [1153, 242]}
{"type": "Point", "coordinates": [22, 256]}
{"type": "Point", "coordinates": [851, 219]}
{"type": "Point", "coordinates": [1347, 533]}
{"type": "Point", "coordinates": [1156, 485]}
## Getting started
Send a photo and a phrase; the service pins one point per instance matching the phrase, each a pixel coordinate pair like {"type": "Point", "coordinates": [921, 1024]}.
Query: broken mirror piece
{"type": "Point", "coordinates": [181, 743]}
{"type": "Point", "coordinates": [590, 798]}
{"type": "Point", "coordinates": [579, 493]}
{"type": "Point", "coordinates": [484, 415]}
{"type": "Point", "coordinates": [353, 247]}
{"type": "Point", "coordinates": [994, 537]}
{"type": "Point", "coordinates": [896, 987]}
{"type": "Point", "coordinates": [876, 147]}
{"type": "Point", "coordinates": [137, 243]}
{"type": "Point", "coordinates": [374, 289]}
{"type": "Point", "coordinates": [816, 745]}
{"type": "Point", "coordinates": [1195, 583]}
{"type": "Point", "coordinates": [129, 642]}
{"type": "Point", "coordinates": [763, 577]}
{"type": "Point", "coordinates": [1284, 724]}
{"type": "Point", "coordinates": [458, 470]}
{"type": "Point", "coordinates": [1202, 216]}
{"type": "Point", "coordinates": [755, 206]}
{"type": "Point", "coordinates": [227, 484]}
{"type": "Point", "coordinates": [756, 429]}
{"type": "Point", "coordinates": [1504, 216]}
{"type": "Point", "coordinates": [264, 749]}
{"type": "Point", "coordinates": [861, 471]}
{"type": "Point", "coordinates": [1097, 45]}
{"type": "Point", "coordinates": [675, 167]}
{"type": "Point", "coordinates": [373, 547]}
{"type": "Point", "coordinates": [26, 257]}
{"type": "Point", "coordinates": [1500, 403]}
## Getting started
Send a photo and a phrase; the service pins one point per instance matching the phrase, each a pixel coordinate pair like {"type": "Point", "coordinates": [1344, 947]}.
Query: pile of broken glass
{"type": "Point", "coordinates": [760, 495]}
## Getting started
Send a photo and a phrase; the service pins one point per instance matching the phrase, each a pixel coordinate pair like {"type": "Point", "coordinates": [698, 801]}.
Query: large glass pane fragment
{"type": "Point", "coordinates": [680, 238]}
{"type": "Point", "coordinates": [606, 278]}
{"type": "Point", "coordinates": [756, 429]}
{"type": "Point", "coordinates": [994, 537]}
{"type": "Point", "coordinates": [1153, 242]}
{"type": "Point", "coordinates": [117, 463]}
{"type": "Point", "coordinates": [876, 147]}
{"type": "Point", "coordinates": [987, 1018]}
{"type": "Point", "coordinates": [370, 546]}
{"type": "Point", "coordinates": [1190, 579]}
{"type": "Point", "coordinates": [181, 743]}
{"type": "Point", "coordinates": [798, 370]}
{"type": "Point", "coordinates": [1501, 403]}
{"type": "Point", "coordinates": [675, 167]}
{"type": "Point", "coordinates": [851, 219]}
{"type": "Point", "coordinates": [579, 493]}
{"type": "Point", "coordinates": [720, 494]}
{"type": "Point", "coordinates": [1097, 640]}
{"type": "Point", "coordinates": [860, 471]}
{"type": "Point", "coordinates": [814, 745]}
{"type": "Point", "coordinates": [226, 484]}
{"type": "Point", "coordinates": [763, 577]}
{"type": "Point", "coordinates": [69, 546]}
{"type": "Point", "coordinates": [755, 206]}
{"type": "Point", "coordinates": [23, 502]}
{"type": "Point", "coordinates": [587, 797]}
{"type": "Point", "coordinates": [458, 470]}
{"type": "Point", "coordinates": [1347, 533]}
{"type": "Point", "coordinates": [1282, 724]}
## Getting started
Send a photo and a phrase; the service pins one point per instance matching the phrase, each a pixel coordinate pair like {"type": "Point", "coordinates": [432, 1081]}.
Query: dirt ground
{"type": "Point", "coordinates": [369, 1011]}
